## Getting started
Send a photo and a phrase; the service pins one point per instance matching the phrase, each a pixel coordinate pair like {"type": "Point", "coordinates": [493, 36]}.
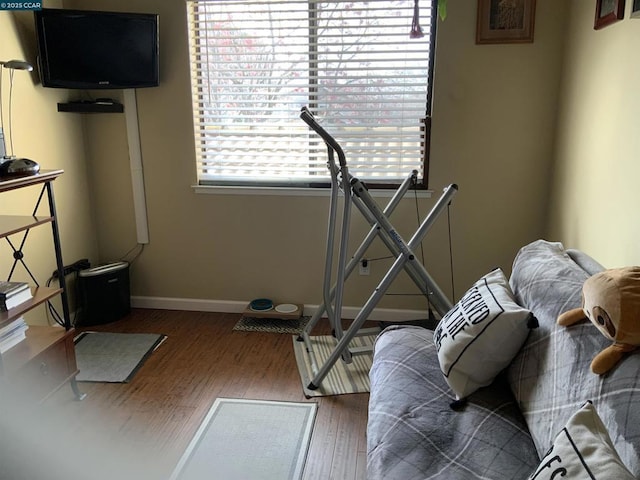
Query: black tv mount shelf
{"type": "Point", "coordinates": [91, 107]}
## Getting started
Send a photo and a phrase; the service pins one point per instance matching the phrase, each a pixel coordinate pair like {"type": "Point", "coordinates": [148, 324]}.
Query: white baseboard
{"type": "Point", "coordinates": [226, 306]}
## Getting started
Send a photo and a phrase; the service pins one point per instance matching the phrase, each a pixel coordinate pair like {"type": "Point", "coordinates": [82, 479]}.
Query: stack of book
{"type": "Point", "coordinates": [12, 334]}
{"type": "Point", "coordinates": [13, 294]}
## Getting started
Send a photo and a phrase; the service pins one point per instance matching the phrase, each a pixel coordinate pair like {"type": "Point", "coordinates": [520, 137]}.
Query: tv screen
{"type": "Point", "coordinates": [97, 50]}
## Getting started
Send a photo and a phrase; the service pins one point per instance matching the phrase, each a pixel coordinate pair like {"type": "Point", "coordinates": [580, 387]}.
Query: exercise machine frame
{"type": "Point", "coordinates": [355, 192]}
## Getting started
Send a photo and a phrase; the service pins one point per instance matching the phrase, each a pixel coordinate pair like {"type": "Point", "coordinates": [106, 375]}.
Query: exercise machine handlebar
{"type": "Point", "coordinates": [308, 118]}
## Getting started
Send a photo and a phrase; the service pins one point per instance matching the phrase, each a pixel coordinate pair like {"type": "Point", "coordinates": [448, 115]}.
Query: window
{"type": "Point", "coordinates": [256, 63]}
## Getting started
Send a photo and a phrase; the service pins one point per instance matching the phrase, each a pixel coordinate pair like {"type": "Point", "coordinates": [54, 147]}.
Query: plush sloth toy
{"type": "Point", "coordinates": [611, 300]}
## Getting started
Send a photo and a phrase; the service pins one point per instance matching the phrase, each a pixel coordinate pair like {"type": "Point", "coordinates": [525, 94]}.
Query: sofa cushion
{"type": "Point", "coordinates": [481, 334]}
{"type": "Point", "coordinates": [551, 377]}
{"type": "Point", "coordinates": [583, 449]}
{"type": "Point", "coordinates": [413, 434]}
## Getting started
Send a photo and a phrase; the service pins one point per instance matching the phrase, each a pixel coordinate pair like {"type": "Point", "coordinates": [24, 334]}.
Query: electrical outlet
{"type": "Point", "coordinates": [363, 268]}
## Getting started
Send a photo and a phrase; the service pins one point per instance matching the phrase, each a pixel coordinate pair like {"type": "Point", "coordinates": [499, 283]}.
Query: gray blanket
{"type": "Point", "coordinates": [551, 375]}
{"type": "Point", "coordinates": [414, 434]}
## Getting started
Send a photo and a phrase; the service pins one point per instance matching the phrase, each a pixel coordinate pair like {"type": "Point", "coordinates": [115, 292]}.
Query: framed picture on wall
{"type": "Point", "coordinates": [505, 21]}
{"type": "Point", "coordinates": [608, 12]}
{"type": "Point", "coordinates": [635, 9]}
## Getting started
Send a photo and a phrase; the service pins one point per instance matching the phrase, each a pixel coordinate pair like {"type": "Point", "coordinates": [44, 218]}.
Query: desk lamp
{"type": "Point", "coordinates": [10, 166]}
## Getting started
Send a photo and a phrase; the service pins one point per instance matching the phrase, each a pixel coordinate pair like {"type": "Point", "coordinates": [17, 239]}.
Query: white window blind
{"type": "Point", "coordinates": [255, 63]}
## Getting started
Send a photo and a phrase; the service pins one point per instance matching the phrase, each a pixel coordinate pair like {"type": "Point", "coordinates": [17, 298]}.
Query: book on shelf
{"type": "Point", "coordinates": [12, 334]}
{"type": "Point", "coordinates": [8, 288]}
{"type": "Point", "coordinates": [13, 294]}
{"type": "Point", "coordinates": [10, 326]}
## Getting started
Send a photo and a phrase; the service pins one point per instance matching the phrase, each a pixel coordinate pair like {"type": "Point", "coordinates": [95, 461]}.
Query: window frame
{"type": "Point", "coordinates": [426, 127]}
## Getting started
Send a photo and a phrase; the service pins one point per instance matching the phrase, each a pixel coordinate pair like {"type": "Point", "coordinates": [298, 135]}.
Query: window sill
{"type": "Point", "coordinates": [297, 192]}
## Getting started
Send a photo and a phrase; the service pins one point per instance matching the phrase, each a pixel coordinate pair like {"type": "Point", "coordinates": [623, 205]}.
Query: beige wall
{"type": "Point", "coordinates": [495, 113]}
{"type": "Point", "coordinates": [595, 189]}
{"type": "Point", "coordinates": [56, 141]}
{"type": "Point", "coordinates": [494, 123]}
{"type": "Point", "coordinates": [494, 118]}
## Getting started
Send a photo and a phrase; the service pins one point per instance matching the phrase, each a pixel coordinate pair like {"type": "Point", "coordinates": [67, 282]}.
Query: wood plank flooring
{"type": "Point", "coordinates": [158, 412]}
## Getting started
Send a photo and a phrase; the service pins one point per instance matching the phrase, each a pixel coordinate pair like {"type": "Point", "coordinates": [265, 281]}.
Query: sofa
{"type": "Point", "coordinates": [543, 414]}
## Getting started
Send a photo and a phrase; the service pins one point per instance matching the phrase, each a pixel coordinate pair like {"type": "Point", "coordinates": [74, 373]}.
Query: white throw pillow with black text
{"type": "Point", "coordinates": [582, 450]}
{"type": "Point", "coordinates": [481, 334]}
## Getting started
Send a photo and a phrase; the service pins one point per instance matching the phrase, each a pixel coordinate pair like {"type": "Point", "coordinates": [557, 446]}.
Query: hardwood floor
{"type": "Point", "coordinates": [155, 415]}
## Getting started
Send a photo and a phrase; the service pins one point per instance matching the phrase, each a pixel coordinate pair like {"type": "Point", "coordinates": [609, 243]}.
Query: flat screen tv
{"type": "Point", "coordinates": [84, 49]}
